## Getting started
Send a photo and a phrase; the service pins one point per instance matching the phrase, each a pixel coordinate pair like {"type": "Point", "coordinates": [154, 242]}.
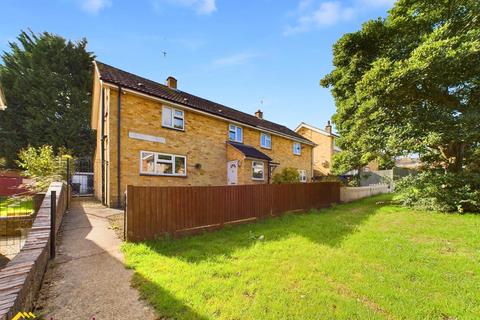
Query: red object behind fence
{"type": "Point", "coordinates": [11, 185]}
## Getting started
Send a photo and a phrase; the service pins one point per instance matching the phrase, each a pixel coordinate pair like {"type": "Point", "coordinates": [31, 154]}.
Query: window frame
{"type": "Point", "coordinates": [173, 117]}
{"type": "Point", "coordinates": [263, 170]}
{"type": "Point", "coordinates": [156, 160]}
{"type": "Point", "coordinates": [300, 171]}
{"type": "Point", "coordinates": [299, 148]}
{"type": "Point", "coordinates": [267, 135]}
{"type": "Point", "coordinates": [230, 126]}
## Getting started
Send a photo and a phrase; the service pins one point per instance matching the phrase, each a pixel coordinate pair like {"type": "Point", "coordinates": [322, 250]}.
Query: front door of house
{"type": "Point", "coordinates": [232, 168]}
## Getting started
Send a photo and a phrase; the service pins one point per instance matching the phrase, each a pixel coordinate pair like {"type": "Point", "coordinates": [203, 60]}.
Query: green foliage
{"type": "Point", "coordinates": [47, 83]}
{"type": "Point", "coordinates": [410, 83]}
{"type": "Point", "coordinates": [42, 165]}
{"type": "Point", "coordinates": [440, 191]}
{"type": "Point", "coordinates": [329, 178]}
{"type": "Point", "coordinates": [287, 175]}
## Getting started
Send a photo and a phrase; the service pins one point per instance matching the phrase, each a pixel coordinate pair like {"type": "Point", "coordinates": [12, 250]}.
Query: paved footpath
{"type": "Point", "coordinates": [87, 279]}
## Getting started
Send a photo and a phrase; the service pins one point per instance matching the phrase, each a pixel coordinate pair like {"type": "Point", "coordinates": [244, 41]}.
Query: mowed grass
{"type": "Point", "coordinates": [15, 206]}
{"type": "Point", "coordinates": [361, 260]}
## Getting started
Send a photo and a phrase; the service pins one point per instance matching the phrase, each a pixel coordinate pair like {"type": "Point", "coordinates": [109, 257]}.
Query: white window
{"type": "Point", "coordinates": [297, 148]}
{"type": "Point", "coordinates": [235, 133]}
{"type": "Point", "coordinates": [162, 164]}
{"type": "Point", "coordinates": [173, 118]}
{"type": "Point", "coordinates": [258, 172]}
{"type": "Point", "coordinates": [303, 175]}
{"type": "Point", "coordinates": [265, 140]}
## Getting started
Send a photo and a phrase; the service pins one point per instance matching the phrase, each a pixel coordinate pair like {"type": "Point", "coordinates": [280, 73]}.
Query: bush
{"type": "Point", "coordinates": [287, 175]}
{"type": "Point", "coordinates": [439, 191]}
{"type": "Point", "coordinates": [42, 165]}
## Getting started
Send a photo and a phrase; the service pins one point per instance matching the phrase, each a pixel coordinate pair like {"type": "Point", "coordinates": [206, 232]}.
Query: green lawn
{"type": "Point", "coordinates": [362, 260]}
{"type": "Point", "coordinates": [15, 207]}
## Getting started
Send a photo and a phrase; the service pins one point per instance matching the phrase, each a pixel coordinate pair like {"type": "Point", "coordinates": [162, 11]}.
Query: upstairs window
{"type": "Point", "coordinates": [297, 148]}
{"type": "Point", "coordinates": [265, 140]}
{"type": "Point", "coordinates": [173, 118]}
{"type": "Point", "coordinates": [162, 164]}
{"type": "Point", "coordinates": [235, 133]}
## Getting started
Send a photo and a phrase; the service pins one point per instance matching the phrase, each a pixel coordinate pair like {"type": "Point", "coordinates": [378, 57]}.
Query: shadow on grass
{"type": "Point", "coordinates": [162, 301]}
{"type": "Point", "coordinates": [328, 227]}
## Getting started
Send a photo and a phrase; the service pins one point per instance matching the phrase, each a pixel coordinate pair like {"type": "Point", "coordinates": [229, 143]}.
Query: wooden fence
{"type": "Point", "coordinates": [156, 211]}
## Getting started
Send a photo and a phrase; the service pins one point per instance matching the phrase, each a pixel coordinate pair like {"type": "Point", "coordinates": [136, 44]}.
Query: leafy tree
{"type": "Point", "coordinates": [287, 175]}
{"type": "Point", "coordinates": [410, 83]}
{"type": "Point", "coordinates": [47, 83]}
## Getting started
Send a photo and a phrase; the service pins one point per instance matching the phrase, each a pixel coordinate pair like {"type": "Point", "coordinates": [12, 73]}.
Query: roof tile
{"type": "Point", "coordinates": [128, 80]}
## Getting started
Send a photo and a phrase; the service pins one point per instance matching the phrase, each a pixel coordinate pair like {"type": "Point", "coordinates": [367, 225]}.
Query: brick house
{"type": "Point", "coordinates": [325, 146]}
{"type": "Point", "coordinates": [150, 134]}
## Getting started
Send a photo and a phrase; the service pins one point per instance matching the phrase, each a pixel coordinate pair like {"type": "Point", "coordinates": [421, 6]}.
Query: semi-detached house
{"type": "Point", "coordinates": [150, 134]}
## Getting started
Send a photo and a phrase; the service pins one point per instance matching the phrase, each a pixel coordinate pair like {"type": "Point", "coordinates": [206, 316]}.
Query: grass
{"type": "Point", "coordinates": [361, 260]}
{"type": "Point", "coordinates": [15, 206]}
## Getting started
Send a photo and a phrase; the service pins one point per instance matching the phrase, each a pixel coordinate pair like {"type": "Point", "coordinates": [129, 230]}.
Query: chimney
{"type": "Point", "coordinates": [171, 82]}
{"type": "Point", "coordinates": [328, 127]}
{"type": "Point", "coordinates": [259, 114]}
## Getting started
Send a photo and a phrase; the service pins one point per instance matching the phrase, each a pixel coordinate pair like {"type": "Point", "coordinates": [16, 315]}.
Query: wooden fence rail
{"type": "Point", "coordinates": [156, 211]}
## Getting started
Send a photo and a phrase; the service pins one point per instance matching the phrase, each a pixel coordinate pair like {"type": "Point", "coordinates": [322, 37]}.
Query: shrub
{"type": "Point", "coordinates": [447, 192]}
{"type": "Point", "coordinates": [287, 175]}
{"type": "Point", "coordinates": [42, 165]}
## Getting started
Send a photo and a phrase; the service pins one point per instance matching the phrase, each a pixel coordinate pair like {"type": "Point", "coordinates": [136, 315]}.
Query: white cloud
{"type": "Point", "coordinates": [200, 6]}
{"type": "Point", "coordinates": [94, 6]}
{"type": "Point", "coordinates": [234, 60]}
{"type": "Point", "coordinates": [314, 14]}
{"type": "Point", "coordinates": [326, 14]}
{"type": "Point", "coordinates": [377, 3]}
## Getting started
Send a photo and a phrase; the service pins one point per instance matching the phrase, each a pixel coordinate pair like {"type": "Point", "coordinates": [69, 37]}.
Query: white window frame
{"type": "Point", "coordinates": [173, 117]}
{"type": "Point", "coordinates": [263, 170]}
{"type": "Point", "coordinates": [156, 155]}
{"type": "Point", "coordinates": [295, 144]}
{"type": "Point", "coordinates": [268, 137]}
{"type": "Point", "coordinates": [303, 175]}
{"type": "Point", "coordinates": [233, 128]}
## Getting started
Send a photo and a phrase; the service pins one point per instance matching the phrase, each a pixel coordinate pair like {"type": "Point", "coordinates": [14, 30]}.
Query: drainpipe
{"type": "Point", "coordinates": [102, 134]}
{"type": "Point", "coordinates": [268, 171]}
{"type": "Point", "coordinates": [119, 201]}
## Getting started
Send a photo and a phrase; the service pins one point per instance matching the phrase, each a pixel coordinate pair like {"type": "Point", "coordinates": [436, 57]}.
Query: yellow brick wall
{"type": "Point", "coordinates": [203, 142]}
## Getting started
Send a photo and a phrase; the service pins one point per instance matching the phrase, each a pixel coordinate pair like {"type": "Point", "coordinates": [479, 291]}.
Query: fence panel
{"type": "Point", "coordinates": [156, 211]}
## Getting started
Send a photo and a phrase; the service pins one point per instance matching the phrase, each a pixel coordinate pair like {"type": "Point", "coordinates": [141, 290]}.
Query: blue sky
{"type": "Point", "coordinates": [267, 54]}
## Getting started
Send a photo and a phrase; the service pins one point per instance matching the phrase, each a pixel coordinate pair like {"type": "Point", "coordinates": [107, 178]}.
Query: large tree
{"type": "Point", "coordinates": [410, 83]}
{"type": "Point", "coordinates": [47, 83]}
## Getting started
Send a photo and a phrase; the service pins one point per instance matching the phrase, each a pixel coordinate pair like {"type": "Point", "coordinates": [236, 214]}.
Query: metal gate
{"type": "Point", "coordinates": [81, 178]}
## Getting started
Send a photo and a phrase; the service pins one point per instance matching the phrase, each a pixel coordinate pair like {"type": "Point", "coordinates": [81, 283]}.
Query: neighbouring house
{"type": "Point", "coordinates": [3, 102]}
{"type": "Point", "coordinates": [150, 134]}
{"type": "Point", "coordinates": [408, 162]}
{"type": "Point", "coordinates": [325, 146]}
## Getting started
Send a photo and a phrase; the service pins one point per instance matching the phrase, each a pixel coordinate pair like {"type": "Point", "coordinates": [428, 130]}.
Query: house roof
{"type": "Point", "coordinates": [249, 151]}
{"type": "Point", "coordinates": [128, 80]}
{"type": "Point", "coordinates": [313, 128]}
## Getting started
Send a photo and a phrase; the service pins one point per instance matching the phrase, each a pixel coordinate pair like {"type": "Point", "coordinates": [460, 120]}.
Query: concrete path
{"type": "Point", "coordinates": [87, 279]}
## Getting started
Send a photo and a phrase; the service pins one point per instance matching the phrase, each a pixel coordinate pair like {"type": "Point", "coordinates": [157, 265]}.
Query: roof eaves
{"type": "Point", "coordinates": [186, 104]}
